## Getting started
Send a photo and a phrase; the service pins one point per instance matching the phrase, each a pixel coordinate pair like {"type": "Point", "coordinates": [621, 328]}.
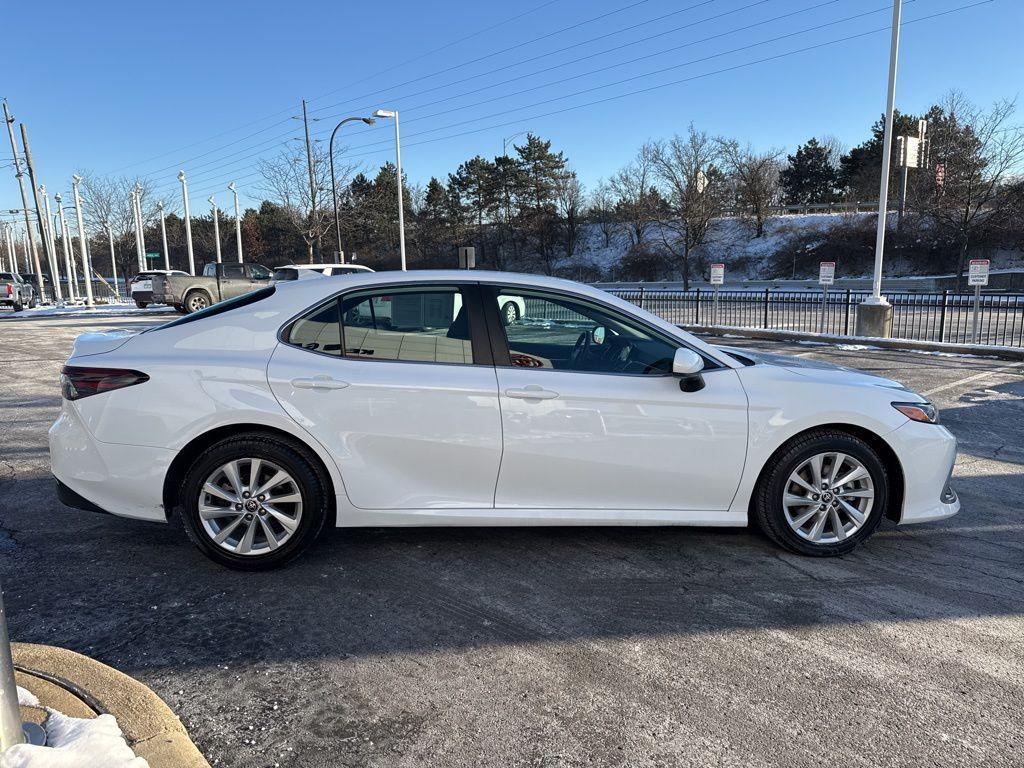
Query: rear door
{"type": "Point", "coordinates": [407, 405]}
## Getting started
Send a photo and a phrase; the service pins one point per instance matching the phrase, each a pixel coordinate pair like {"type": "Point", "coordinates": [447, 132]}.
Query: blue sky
{"type": "Point", "coordinates": [145, 89]}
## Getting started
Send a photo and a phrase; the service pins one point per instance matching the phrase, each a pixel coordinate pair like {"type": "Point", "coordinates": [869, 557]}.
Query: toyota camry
{"type": "Point", "coordinates": [414, 398]}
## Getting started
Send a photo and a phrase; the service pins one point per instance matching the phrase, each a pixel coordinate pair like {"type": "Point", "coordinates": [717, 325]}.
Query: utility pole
{"type": "Point", "coordinates": [874, 315]}
{"type": "Point", "coordinates": [140, 231]}
{"type": "Point", "coordinates": [312, 182]}
{"type": "Point", "coordinates": [83, 240]}
{"type": "Point", "coordinates": [163, 235]}
{"type": "Point", "coordinates": [39, 213]}
{"type": "Point", "coordinates": [24, 203]}
{"type": "Point", "coordinates": [238, 222]}
{"type": "Point", "coordinates": [188, 223]}
{"type": "Point", "coordinates": [68, 271]}
{"type": "Point", "coordinates": [50, 243]}
{"type": "Point", "coordinates": [216, 225]}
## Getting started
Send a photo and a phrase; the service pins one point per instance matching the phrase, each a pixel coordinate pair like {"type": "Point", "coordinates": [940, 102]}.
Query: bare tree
{"type": "Point", "coordinates": [697, 191]}
{"type": "Point", "coordinates": [834, 147]}
{"type": "Point", "coordinates": [756, 178]}
{"type": "Point", "coordinates": [107, 202]}
{"type": "Point", "coordinates": [974, 154]}
{"type": "Point", "coordinates": [636, 196]}
{"type": "Point", "coordinates": [569, 198]}
{"type": "Point", "coordinates": [601, 210]}
{"type": "Point", "coordinates": [309, 209]}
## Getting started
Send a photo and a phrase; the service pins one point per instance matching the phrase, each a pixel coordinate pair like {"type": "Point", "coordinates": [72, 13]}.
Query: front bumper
{"type": "Point", "coordinates": [927, 453]}
{"type": "Point", "coordinates": [124, 480]}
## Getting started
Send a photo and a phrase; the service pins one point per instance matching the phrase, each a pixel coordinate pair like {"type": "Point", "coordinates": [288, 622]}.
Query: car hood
{"type": "Point", "coordinates": [816, 369]}
{"type": "Point", "coordinates": [100, 342]}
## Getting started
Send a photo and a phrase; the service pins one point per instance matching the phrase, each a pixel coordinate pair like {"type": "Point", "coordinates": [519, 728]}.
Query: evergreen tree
{"type": "Point", "coordinates": [809, 178]}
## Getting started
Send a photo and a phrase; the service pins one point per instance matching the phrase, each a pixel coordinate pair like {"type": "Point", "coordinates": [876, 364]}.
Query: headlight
{"type": "Point", "coordinates": [925, 412]}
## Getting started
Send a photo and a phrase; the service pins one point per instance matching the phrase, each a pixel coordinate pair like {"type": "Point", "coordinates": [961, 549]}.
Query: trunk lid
{"type": "Point", "coordinates": [99, 343]}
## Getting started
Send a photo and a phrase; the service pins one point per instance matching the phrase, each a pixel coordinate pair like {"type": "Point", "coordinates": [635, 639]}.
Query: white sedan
{"type": "Point", "coordinates": [264, 418]}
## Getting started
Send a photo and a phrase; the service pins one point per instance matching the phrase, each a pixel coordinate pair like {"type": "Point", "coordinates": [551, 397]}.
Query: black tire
{"type": "Point", "coordinates": [509, 312]}
{"type": "Point", "coordinates": [295, 459]}
{"type": "Point", "coordinates": [769, 514]}
{"type": "Point", "coordinates": [141, 304]}
{"type": "Point", "coordinates": [197, 300]}
{"type": "Point", "coordinates": [18, 306]}
{"type": "Point", "coordinates": [180, 308]}
{"type": "Point", "coordinates": [32, 302]}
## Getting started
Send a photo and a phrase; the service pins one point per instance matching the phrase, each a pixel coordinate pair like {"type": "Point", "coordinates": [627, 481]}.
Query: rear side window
{"type": "Point", "coordinates": [318, 331]}
{"type": "Point", "coordinates": [286, 273]}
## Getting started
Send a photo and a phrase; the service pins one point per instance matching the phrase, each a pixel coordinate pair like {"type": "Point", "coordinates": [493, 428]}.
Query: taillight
{"type": "Point", "coordinates": [76, 382]}
{"type": "Point", "coordinates": [10, 290]}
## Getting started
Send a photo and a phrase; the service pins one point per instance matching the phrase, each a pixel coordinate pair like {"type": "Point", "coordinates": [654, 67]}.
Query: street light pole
{"type": "Point", "coordinates": [62, 224]}
{"type": "Point", "coordinates": [188, 224]}
{"type": "Point", "coordinates": [877, 320]}
{"type": "Point", "coordinates": [216, 226]}
{"type": "Point", "coordinates": [83, 241]}
{"type": "Point", "coordinates": [163, 236]}
{"type": "Point", "coordinates": [113, 258]}
{"type": "Point", "coordinates": [140, 239]}
{"type": "Point", "coordinates": [49, 244]}
{"type": "Point", "coordinates": [238, 222]}
{"type": "Point", "coordinates": [398, 172]}
{"type": "Point", "coordinates": [334, 184]}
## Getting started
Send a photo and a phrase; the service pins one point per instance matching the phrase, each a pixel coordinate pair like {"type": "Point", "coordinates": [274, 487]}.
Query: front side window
{"type": "Point", "coordinates": [410, 324]}
{"type": "Point", "coordinates": [259, 272]}
{"type": "Point", "coordinates": [548, 331]}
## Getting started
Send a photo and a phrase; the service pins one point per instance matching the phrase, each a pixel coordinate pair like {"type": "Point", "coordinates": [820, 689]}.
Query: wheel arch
{"type": "Point", "coordinates": [876, 441]}
{"type": "Point", "coordinates": [175, 476]}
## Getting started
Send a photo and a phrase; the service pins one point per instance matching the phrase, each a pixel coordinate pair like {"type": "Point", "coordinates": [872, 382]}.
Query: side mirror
{"type": "Point", "coordinates": [687, 364]}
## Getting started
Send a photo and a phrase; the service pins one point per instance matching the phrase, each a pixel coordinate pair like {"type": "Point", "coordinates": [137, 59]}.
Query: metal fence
{"type": "Point", "coordinates": [945, 316]}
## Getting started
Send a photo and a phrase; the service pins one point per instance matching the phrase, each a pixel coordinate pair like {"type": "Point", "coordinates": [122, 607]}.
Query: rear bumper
{"type": "Point", "coordinates": [69, 498]}
{"type": "Point", "coordinates": [124, 480]}
{"type": "Point", "coordinates": [146, 296]}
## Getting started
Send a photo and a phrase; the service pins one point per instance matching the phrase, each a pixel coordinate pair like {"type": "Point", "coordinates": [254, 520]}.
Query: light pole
{"type": "Point", "coordinates": [63, 226]}
{"type": "Point", "coordinates": [506, 140]}
{"type": "Point", "coordinates": [238, 222]}
{"type": "Point", "coordinates": [874, 315]}
{"type": "Point", "coordinates": [216, 225]}
{"type": "Point", "coordinates": [48, 238]}
{"type": "Point", "coordinates": [113, 258]}
{"type": "Point", "coordinates": [29, 240]}
{"type": "Point", "coordinates": [83, 241]}
{"type": "Point", "coordinates": [163, 235]}
{"type": "Point", "coordinates": [188, 224]}
{"type": "Point", "coordinates": [334, 184]}
{"type": "Point", "coordinates": [393, 113]}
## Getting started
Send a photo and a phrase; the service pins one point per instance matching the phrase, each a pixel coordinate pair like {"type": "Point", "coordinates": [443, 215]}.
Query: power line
{"type": "Point", "coordinates": [681, 81]}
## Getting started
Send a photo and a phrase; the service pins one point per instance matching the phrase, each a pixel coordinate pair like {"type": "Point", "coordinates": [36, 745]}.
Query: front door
{"type": "Point", "coordinates": [393, 383]}
{"type": "Point", "coordinates": [593, 419]}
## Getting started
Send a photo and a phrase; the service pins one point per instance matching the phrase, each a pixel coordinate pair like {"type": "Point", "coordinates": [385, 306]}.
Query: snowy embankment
{"type": "Point", "coordinates": [73, 742]}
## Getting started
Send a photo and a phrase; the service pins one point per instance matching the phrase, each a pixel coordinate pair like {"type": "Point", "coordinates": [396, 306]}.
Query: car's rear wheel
{"type": "Point", "coordinates": [32, 302]}
{"type": "Point", "coordinates": [18, 306]}
{"type": "Point", "coordinates": [141, 304]}
{"type": "Point", "coordinates": [180, 308]}
{"type": "Point", "coordinates": [196, 301]}
{"type": "Point", "coordinates": [824, 493]}
{"type": "Point", "coordinates": [252, 502]}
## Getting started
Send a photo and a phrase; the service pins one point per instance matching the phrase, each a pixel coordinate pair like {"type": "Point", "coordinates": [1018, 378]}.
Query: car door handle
{"type": "Point", "coordinates": [532, 392]}
{"type": "Point", "coordinates": [319, 382]}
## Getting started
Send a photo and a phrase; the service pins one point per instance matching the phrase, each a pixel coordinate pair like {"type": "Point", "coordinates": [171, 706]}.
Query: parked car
{"type": "Point", "coordinates": [295, 271]}
{"type": "Point", "coordinates": [16, 292]}
{"type": "Point", "coordinates": [187, 293]}
{"type": "Point", "coordinates": [30, 278]}
{"type": "Point", "coordinates": [269, 416]}
{"type": "Point", "coordinates": [140, 287]}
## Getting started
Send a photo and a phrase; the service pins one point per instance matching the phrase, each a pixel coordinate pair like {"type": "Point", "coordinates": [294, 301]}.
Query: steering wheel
{"type": "Point", "coordinates": [580, 350]}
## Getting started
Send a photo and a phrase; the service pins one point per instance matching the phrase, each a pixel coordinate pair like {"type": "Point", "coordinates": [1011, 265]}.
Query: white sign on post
{"type": "Point", "coordinates": [827, 273]}
{"type": "Point", "coordinates": [717, 274]}
{"type": "Point", "coordinates": [978, 272]}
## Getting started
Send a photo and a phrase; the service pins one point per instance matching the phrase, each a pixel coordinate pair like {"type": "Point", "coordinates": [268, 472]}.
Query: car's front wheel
{"type": "Point", "coordinates": [823, 494]}
{"type": "Point", "coordinates": [253, 502]}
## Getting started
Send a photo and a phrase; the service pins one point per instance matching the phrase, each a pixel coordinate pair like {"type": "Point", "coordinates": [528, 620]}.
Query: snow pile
{"type": "Point", "coordinates": [73, 743]}
{"type": "Point", "coordinates": [100, 310]}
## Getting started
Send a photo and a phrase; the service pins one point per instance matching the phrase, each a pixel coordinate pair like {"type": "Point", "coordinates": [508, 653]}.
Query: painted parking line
{"type": "Point", "coordinates": [969, 379]}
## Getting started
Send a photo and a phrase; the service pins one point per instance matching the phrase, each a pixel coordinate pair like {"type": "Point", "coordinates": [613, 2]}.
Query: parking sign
{"type": "Point", "coordinates": [717, 274]}
{"type": "Point", "coordinates": [978, 272]}
{"type": "Point", "coordinates": [827, 273]}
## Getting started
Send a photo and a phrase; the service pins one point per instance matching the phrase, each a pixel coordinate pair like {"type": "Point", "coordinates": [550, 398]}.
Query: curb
{"type": "Point", "coordinates": [82, 687]}
{"type": "Point", "coordinates": [978, 350]}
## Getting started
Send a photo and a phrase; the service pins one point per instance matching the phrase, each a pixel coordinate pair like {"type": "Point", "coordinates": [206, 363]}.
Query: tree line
{"type": "Point", "coordinates": [528, 211]}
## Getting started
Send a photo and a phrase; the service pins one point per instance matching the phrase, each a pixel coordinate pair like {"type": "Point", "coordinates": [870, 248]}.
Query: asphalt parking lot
{"type": "Point", "coordinates": [551, 647]}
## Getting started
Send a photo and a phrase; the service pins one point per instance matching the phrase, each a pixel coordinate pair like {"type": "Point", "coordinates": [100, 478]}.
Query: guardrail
{"type": "Point", "coordinates": [943, 317]}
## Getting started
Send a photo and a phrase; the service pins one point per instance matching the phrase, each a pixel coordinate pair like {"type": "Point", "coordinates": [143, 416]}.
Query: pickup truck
{"type": "Point", "coordinates": [188, 293]}
{"type": "Point", "coordinates": [16, 291]}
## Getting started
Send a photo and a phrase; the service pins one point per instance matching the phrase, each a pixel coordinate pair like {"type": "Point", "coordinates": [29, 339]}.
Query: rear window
{"type": "Point", "coordinates": [286, 273]}
{"type": "Point", "coordinates": [6, 276]}
{"type": "Point", "coordinates": [218, 309]}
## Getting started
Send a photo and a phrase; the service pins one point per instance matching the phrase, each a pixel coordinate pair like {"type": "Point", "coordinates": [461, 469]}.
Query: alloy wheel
{"type": "Point", "coordinates": [828, 498]}
{"type": "Point", "coordinates": [250, 506]}
{"type": "Point", "coordinates": [197, 302]}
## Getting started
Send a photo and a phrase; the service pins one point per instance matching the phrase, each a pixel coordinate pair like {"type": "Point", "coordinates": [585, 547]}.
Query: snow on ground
{"type": "Point", "coordinates": [100, 310]}
{"type": "Point", "coordinates": [73, 742]}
